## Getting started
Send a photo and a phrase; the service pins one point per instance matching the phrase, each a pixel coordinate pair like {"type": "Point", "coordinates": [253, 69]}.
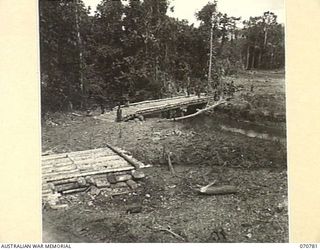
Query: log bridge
{"type": "Point", "coordinates": [73, 172]}
{"type": "Point", "coordinates": [159, 107]}
{"type": "Point", "coordinates": [164, 106]}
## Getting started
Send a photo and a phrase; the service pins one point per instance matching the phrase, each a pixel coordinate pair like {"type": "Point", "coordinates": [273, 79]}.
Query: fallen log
{"type": "Point", "coordinates": [218, 190]}
{"type": "Point", "coordinates": [199, 111]}
{"type": "Point", "coordinates": [127, 158]}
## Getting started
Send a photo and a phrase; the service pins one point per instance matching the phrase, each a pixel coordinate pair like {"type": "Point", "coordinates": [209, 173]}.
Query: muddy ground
{"type": "Point", "coordinates": [201, 152]}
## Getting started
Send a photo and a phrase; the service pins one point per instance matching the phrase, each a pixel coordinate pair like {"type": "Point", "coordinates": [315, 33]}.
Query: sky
{"type": "Point", "coordinates": [185, 9]}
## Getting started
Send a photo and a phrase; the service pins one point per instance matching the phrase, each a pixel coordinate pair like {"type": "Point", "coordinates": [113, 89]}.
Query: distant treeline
{"type": "Point", "coordinates": [136, 51]}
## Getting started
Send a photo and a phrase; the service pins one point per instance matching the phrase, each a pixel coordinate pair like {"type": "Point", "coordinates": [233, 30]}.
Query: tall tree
{"type": "Point", "coordinates": [59, 57]}
{"type": "Point", "coordinates": [136, 51]}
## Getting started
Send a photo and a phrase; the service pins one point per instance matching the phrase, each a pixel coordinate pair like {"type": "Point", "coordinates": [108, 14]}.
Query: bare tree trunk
{"type": "Point", "coordinates": [223, 39]}
{"type": "Point", "coordinates": [210, 56]}
{"type": "Point", "coordinates": [259, 59]}
{"type": "Point", "coordinates": [253, 59]}
{"type": "Point", "coordinates": [265, 38]}
{"type": "Point", "coordinates": [79, 41]}
{"type": "Point", "coordinates": [248, 57]}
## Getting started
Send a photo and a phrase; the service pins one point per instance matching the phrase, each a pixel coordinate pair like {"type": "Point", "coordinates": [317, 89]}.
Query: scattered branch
{"type": "Point", "coordinates": [169, 230]}
{"type": "Point", "coordinates": [205, 188]}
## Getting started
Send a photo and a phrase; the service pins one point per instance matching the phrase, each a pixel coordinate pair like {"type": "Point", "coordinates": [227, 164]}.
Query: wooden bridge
{"type": "Point", "coordinates": [153, 107]}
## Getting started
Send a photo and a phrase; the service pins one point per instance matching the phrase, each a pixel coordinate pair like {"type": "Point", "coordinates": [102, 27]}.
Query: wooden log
{"type": "Point", "coordinates": [218, 190]}
{"type": "Point", "coordinates": [199, 112]}
{"type": "Point", "coordinates": [57, 170]}
{"type": "Point", "coordinates": [54, 156]}
{"type": "Point", "coordinates": [84, 172]}
{"type": "Point", "coordinates": [104, 171]}
{"type": "Point", "coordinates": [78, 159]}
{"type": "Point", "coordinates": [130, 160]}
{"type": "Point", "coordinates": [166, 107]}
{"type": "Point", "coordinates": [84, 167]}
{"type": "Point", "coordinates": [67, 186]}
{"type": "Point", "coordinates": [155, 101]}
{"type": "Point", "coordinates": [57, 174]}
{"type": "Point", "coordinates": [117, 162]}
{"type": "Point", "coordinates": [47, 192]}
{"type": "Point", "coordinates": [66, 181]}
{"type": "Point", "coordinates": [129, 155]}
{"type": "Point", "coordinates": [61, 168]}
{"type": "Point", "coordinates": [119, 173]}
{"type": "Point", "coordinates": [75, 190]}
{"type": "Point", "coordinates": [76, 154]}
{"type": "Point", "coordinates": [119, 178]}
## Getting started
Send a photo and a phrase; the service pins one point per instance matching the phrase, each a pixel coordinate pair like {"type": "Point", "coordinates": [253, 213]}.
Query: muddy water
{"type": "Point", "coordinates": [253, 134]}
{"type": "Point", "coordinates": [274, 132]}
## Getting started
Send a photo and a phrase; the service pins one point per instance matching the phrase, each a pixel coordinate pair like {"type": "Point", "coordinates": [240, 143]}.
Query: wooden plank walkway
{"type": "Point", "coordinates": [69, 167]}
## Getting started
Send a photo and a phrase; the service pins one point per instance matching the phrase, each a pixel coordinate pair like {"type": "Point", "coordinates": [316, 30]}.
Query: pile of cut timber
{"type": "Point", "coordinates": [73, 172]}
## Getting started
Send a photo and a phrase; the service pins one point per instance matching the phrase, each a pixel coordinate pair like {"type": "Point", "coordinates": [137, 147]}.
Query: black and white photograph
{"type": "Point", "coordinates": [163, 121]}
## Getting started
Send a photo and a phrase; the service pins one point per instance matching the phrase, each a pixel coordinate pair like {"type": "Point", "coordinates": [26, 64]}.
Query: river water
{"type": "Point", "coordinates": [270, 131]}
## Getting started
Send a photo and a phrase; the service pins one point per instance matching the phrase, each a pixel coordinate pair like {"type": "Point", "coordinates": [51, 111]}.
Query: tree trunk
{"type": "Point", "coordinates": [210, 56]}
{"type": "Point", "coordinates": [79, 41]}
{"type": "Point", "coordinates": [223, 40]}
{"type": "Point", "coordinates": [272, 58]}
{"type": "Point", "coordinates": [248, 58]}
{"type": "Point", "coordinates": [265, 38]}
{"type": "Point", "coordinates": [253, 58]}
{"type": "Point", "coordinates": [259, 59]}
